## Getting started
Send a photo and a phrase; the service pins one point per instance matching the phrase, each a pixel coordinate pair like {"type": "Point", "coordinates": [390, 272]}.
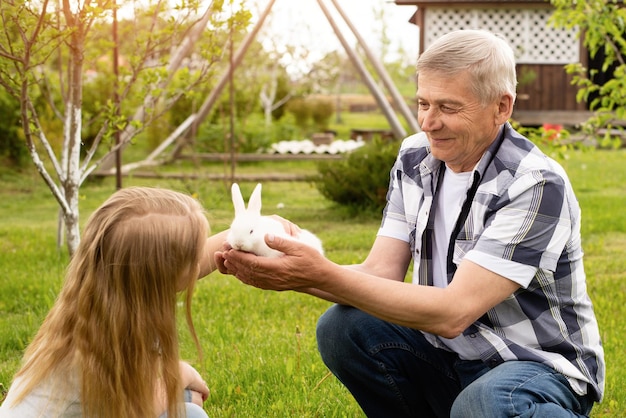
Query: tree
{"type": "Point", "coordinates": [47, 48]}
{"type": "Point", "coordinates": [270, 102]}
{"type": "Point", "coordinates": [602, 26]}
{"type": "Point", "coordinates": [11, 143]}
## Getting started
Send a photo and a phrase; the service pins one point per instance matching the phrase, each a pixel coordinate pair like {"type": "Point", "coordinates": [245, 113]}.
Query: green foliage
{"type": "Point", "coordinates": [361, 180]}
{"type": "Point", "coordinates": [350, 120]}
{"type": "Point", "coordinates": [145, 46]}
{"type": "Point", "coordinates": [12, 147]}
{"type": "Point", "coordinates": [526, 77]}
{"type": "Point", "coordinates": [301, 111]}
{"type": "Point", "coordinates": [312, 112]}
{"type": "Point", "coordinates": [553, 140]}
{"type": "Point", "coordinates": [252, 135]}
{"type": "Point", "coordinates": [602, 26]}
{"type": "Point", "coordinates": [321, 112]}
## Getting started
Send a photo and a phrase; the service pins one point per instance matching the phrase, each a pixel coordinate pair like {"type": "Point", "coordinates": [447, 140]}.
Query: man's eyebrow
{"type": "Point", "coordinates": [446, 101]}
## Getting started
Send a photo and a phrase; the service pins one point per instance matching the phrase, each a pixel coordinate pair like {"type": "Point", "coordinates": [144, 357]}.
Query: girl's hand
{"type": "Point", "coordinates": [196, 398]}
{"type": "Point", "coordinates": [193, 381]}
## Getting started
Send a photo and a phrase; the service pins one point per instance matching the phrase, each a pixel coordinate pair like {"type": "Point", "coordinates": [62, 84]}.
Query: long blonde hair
{"type": "Point", "coordinates": [114, 322]}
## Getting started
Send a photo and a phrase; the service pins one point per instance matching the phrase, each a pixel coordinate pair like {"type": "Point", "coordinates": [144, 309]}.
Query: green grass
{"type": "Point", "coordinates": [259, 349]}
{"type": "Point", "coordinates": [599, 178]}
{"type": "Point", "coordinates": [367, 120]}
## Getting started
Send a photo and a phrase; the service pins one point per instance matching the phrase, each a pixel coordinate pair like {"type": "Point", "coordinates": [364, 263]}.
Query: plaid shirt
{"type": "Point", "coordinates": [524, 213]}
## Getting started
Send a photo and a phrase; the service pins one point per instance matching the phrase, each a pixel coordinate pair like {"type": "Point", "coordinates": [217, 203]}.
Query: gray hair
{"type": "Point", "coordinates": [488, 58]}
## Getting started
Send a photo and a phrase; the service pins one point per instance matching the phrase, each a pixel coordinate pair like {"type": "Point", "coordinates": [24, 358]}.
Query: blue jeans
{"type": "Point", "coordinates": [392, 371]}
{"type": "Point", "coordinates": [191, 409]}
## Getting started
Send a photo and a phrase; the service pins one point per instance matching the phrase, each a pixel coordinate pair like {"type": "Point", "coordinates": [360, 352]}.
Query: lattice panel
{"type": "Point", "coordinates": [526, 30]}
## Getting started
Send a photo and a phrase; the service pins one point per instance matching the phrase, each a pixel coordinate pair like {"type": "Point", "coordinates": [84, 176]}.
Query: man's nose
{"type": "Point", "coordinates": [428, 120]}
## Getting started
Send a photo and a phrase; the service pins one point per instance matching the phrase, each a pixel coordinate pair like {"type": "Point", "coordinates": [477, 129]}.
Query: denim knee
{"type": "Point", "coordinates": [477, 398]}
{"type": "Point", "coordinates": [332, 335]}
{"type": "Point", "coordinates": [519, 389]}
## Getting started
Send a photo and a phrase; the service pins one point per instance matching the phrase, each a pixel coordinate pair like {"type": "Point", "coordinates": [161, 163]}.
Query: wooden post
{"type": "Point", "coordinates": [382, 72]}
{"type": "Point", "coordinates": [396, 126]}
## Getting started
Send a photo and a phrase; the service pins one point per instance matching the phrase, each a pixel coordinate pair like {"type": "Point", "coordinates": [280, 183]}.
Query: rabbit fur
{"type": "Point", "coordinates": [248, 229]}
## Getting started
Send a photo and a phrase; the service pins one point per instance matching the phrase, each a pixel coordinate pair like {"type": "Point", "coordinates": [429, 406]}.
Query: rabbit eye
{"type": "Point", "coordinates": [251, 231]}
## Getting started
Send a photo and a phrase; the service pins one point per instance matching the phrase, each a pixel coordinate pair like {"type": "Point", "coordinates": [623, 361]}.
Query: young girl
{"type": "Point", "coordinates": [109, 346]}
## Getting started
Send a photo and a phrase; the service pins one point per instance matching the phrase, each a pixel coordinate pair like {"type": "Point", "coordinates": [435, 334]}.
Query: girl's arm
{"type": "Point", "coordinates": [213, 244]}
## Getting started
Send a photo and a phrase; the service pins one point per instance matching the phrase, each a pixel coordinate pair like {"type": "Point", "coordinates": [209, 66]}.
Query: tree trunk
{"type": "Point", "coordinates": [33, 37]}
{"type": "Point", "coordinates": [72, 138]}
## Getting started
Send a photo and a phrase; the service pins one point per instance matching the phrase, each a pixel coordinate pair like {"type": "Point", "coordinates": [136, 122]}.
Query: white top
{"type": "Point", "coordinates": [450, 197]}
{"type": "Point", "coordinates": [46, 400]}
{"type": "Point", "coordinates": [449, 200]}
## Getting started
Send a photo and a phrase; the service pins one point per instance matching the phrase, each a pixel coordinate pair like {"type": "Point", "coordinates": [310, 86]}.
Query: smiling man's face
{"type": "Point", "coordinates": [458, 125]}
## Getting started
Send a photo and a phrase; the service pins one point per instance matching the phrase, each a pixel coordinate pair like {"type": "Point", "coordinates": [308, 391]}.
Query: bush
{"type": "Point", "coordinates": [361, 180]}
{"type": "Point", "coordinates": [600, 24]}
{"type": "Point", "coordinates": [301, 111]}
{"type": "Point", "coordinates": [252, 135]}
{"type": "Point", "coordinates": [321, 112]}
{"type": "Point", "coordinates": [12, 145]}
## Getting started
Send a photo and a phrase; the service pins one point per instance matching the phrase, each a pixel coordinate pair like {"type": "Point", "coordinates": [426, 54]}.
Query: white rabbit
{"type": "Point", "coordinates": [248, 229]}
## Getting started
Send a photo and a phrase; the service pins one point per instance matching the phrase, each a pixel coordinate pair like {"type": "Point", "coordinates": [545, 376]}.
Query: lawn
{"type": "Point", "coordinates": [259, 351]}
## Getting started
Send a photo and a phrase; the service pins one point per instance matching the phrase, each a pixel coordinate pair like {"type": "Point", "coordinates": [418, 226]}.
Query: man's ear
{"type": "Point", "coordinates": [505, 109]}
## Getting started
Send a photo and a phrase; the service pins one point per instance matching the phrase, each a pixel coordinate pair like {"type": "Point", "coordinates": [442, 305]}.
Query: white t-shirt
{"type": "Point", "coordinates": [450, 197]}
{"type": "Point", "coordinates": [46, 400]}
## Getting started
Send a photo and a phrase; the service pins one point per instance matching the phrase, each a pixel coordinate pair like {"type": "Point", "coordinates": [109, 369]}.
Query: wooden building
{"type": "Point", "coordinates": [545, 93]}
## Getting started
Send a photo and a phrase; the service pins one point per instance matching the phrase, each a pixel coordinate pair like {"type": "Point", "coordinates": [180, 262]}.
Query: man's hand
{"type": "Point", "coordinates": [218, 256]}
{"type": "Point", "coordinates": [290, 228]}
{"type": "Point", "coordinates": [296, 269]}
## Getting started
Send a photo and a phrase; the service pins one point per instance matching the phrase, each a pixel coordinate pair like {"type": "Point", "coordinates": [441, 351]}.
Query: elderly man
{"type": "Point", "coordinates": [497, 321]}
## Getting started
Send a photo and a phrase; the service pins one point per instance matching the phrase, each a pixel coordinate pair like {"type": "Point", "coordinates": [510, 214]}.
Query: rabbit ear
{"type": "Point", "coordinates": [254, 204]}
{"type": "Point", "coordinates": [238, 203]}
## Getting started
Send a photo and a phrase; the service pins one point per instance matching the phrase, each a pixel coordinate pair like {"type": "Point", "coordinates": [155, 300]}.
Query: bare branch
{"type": "Point", "coordinates": [282, 101]}
{"type": "Point", "coordinates": [41, 168]}
{"type": "Point", "coordinates": [94, 147]}
{"type": "Point", "coordinates": [38, 27]}
{"type": "Point", "coordinates": [5, 54]}
{"type": "Point", "coordinates": [67, 12]}
{"type": "Point", "coordinates": [126, 137]}
{"type": "Point", "coordinates": [175, 62]}
{"type": "Point", "coordinates": [46, 91]}
{"type": "Point", "coordinates": [34, 118]}
{"type": "Point", "coordinates": [56, 192]}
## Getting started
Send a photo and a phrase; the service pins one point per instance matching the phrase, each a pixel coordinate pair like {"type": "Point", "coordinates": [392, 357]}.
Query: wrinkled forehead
{"type": "Point", "coordinates": [431, 83]}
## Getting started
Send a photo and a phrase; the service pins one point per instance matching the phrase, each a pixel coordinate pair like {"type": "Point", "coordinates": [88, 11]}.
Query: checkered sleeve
{"type": "Point", "coordinates": [530, 223]}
